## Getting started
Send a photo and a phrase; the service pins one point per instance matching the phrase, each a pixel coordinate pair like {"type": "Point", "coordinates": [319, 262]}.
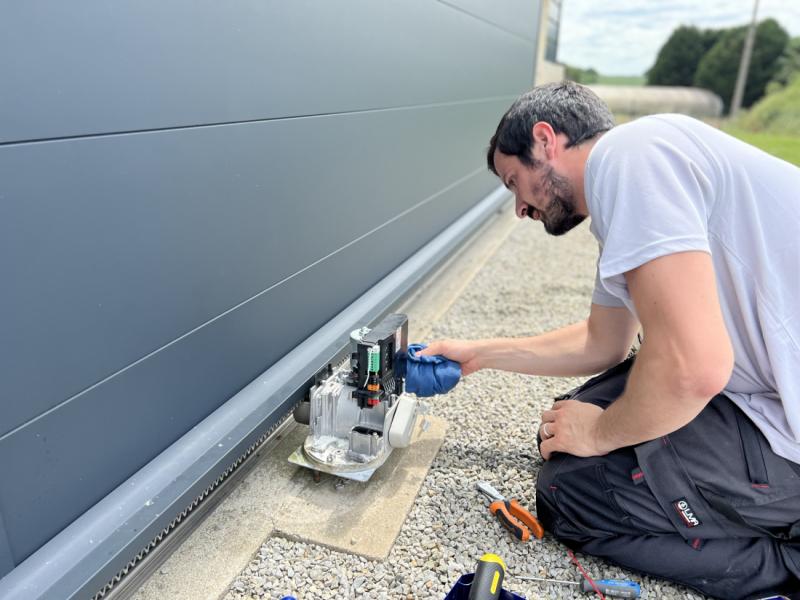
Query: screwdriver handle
{"type": "Point", "coordinates": [487, 584]}
{"type": "Point", "coordinates": [614, 588]}
{"type": "Point", "coordinates": [500, 508]}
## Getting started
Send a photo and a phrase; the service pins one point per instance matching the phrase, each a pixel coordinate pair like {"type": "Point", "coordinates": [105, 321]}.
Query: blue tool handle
{"type": "Point", "coordinates": [614, 588]}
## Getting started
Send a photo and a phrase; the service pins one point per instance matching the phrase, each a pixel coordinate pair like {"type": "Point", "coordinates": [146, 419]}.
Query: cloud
{"type": "Point", "coordinates": [624, 38]}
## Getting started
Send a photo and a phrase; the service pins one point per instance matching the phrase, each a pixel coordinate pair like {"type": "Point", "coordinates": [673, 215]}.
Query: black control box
{"type": "Point", "coordinates": [391, 336]}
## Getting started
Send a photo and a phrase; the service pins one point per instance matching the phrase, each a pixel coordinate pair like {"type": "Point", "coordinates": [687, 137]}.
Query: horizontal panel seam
{"type": "Point", "coordinates": [250, 121]}
{"type": "Point", "coordinates": [242, 303]}
{"type": "Point", "coordinates": [487, 22]}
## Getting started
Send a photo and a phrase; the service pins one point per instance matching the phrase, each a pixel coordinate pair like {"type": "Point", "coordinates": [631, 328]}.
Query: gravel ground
{"type": "Point", "coordinates": [534, 283]}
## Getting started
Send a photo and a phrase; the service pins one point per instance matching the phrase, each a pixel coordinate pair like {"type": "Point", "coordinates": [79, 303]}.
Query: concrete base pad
{"type": "Point", "coordinates": [361, 518]}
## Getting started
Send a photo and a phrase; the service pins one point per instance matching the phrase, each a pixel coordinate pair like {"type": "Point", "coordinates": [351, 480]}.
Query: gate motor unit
{"type": "Point", "coordinates": [358, 411]}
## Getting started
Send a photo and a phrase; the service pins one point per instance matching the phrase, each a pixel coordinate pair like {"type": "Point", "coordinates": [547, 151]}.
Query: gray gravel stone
{"type": "Point", "coordinates": [534, 283]}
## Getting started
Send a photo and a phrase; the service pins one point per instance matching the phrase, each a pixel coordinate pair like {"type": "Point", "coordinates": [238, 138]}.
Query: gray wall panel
{"type": "Point", "coordinates": [89, 445]}
{"type": "Point", "coordinates": [126, 243]}
{"type": "Point", "coordinates": [190, 189]}
{"type": "Point", "coordinates": [124, 66]}
{"type": "Point", "coordinates": [7, 561]}
{"type": "Point", "coordinates": [518, 17]}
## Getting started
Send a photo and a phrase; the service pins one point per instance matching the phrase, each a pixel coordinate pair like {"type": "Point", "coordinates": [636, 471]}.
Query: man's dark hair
{"type": "Point", "coordinates": [568, 107]}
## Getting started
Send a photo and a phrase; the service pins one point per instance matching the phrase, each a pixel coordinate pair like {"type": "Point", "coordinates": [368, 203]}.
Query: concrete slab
{"type": "Point", "coordinates": [361, 518]}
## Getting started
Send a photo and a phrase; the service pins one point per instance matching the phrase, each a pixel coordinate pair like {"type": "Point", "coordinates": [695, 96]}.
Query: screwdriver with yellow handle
{"type": "Point", "coordinates": [487, 584]}
{"type": "Point", "coordinates": [514, 517]}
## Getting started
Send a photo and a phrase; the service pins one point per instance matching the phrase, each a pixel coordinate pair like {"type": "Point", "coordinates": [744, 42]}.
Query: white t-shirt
{"type": "Point", "coordinates": [668, 183]}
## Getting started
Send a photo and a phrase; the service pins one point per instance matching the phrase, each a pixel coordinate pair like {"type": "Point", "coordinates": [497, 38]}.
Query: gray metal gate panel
{"type": "Point", "coordinates": [129, 66]}
{"type": "Point", "coordinates": [517, 17]}
{"type": "Point", "coordinates": [227, 178]}
{"type": "Point", "coordinates": [143, 238]}
{"type": "Point", "coordinates": [7, 561]}
{"type": "Point", "coordinates": [89, 444]}
{"type": "Point", "coordinates": [100, 544]}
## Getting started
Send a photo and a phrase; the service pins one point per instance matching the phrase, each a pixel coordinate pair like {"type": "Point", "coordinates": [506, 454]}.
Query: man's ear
{"type": "Point", "coordinates": [544, 138]}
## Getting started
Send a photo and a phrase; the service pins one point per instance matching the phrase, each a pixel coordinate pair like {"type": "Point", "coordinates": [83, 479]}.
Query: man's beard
{"type": "Point", "coordinates": [561, 215]}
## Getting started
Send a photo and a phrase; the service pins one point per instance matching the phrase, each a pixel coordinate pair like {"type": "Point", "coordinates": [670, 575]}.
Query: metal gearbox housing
{"type": "Point", "coordinates": [357, 411]}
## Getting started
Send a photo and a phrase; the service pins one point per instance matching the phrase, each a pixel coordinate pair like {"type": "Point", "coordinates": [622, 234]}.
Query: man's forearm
{"type": "Point", "coordinates": [657, 401]}
{"type": "Point", "coordinates": [686, 357]}
{"type": "Point", "coordinates": [566, 352]}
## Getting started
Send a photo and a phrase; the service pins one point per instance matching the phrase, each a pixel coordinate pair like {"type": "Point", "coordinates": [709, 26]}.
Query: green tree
{"type": "Point", "coordinates": [717, 70]}
{"type": "Point", "coordinates": [710, 37]}
{"type": "Point", "coordinates": [788, 66]}
{"type": "Point", "coordinates": [678, 58]}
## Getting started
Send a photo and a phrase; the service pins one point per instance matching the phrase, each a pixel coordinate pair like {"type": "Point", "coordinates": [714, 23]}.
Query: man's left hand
{"type": "Point", "coordinates": [571, 427]}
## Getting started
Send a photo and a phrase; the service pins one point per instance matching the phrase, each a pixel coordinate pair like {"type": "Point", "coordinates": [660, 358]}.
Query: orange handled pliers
{"type": "Point", "coordinates": [511, 514]}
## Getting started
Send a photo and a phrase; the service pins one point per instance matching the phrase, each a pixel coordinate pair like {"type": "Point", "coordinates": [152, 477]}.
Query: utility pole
{"type": "Point", "coordinates": [744, 64]}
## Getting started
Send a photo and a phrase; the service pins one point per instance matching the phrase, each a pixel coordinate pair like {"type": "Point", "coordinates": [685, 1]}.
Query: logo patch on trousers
{"type": "Point", "coordinates": [686, 513]}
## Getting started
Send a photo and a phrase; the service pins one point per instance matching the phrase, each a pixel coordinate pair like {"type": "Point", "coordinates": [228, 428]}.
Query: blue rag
{"type": "Point", "coordinates": [429, 375]}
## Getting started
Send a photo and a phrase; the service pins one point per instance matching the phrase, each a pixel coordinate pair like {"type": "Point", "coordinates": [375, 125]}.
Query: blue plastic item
{"type": "Point", "coordinates": [623, 587]}
{"type": "Point", "coordinates": [460, 590]}
{"type": "Point", "coordinates": [429, 375]}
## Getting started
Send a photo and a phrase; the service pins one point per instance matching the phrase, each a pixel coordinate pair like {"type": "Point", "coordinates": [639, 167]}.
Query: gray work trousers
{"type": "Point", "coordinates": [709, 506]}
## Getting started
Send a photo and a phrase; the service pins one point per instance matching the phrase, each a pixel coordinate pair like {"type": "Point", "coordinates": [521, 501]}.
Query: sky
{"type": "Point", "coordinates": [619, 37]}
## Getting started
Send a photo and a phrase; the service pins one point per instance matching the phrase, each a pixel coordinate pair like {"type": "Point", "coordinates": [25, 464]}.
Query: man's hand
{"type": "Point", "coordinates": [462, 351]}
{"type": "Point", "coordinates": [571, 427]}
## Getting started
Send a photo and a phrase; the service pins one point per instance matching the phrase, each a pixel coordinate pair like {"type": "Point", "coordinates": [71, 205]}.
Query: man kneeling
{"type": "Point", "coordinates": [683, 461]}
